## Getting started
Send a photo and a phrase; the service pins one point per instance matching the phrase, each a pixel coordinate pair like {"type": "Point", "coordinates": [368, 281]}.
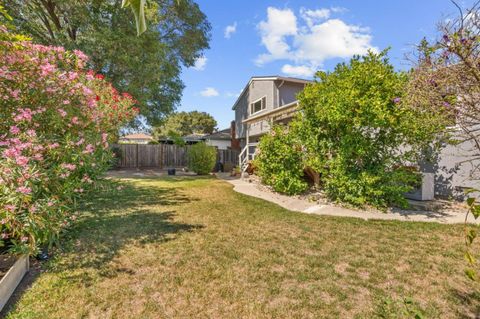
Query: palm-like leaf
{"type": "Point", "coordinates": [138, 9]}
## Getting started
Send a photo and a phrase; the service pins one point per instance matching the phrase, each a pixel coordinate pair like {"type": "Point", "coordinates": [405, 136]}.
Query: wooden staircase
{"type": "Point", "coordinates": [246, 156]}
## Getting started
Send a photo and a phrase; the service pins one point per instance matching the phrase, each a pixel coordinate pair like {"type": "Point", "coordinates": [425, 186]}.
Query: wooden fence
{"type": "Point", "coordinates": [163, 156]}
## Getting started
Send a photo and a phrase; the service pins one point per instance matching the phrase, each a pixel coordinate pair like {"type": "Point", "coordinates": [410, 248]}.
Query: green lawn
{"type": "Point", "coordinates": [193, 248]}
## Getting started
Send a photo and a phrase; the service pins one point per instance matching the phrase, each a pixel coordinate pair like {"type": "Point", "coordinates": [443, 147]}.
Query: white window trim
{"type": "Point", "coordinates": [264, 106]}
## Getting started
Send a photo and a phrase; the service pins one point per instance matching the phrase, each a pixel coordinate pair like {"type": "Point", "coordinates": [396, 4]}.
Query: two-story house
{"type": "Point", "coordinates": [265, 100]}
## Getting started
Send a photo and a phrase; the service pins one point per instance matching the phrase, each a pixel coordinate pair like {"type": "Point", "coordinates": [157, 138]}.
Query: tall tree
{"type": "Point", "coordinates": [185, 123]}
{"type": "Point", "coordinates": [447, 79]}
{"type": "Point", "coordinates": [148, 66]}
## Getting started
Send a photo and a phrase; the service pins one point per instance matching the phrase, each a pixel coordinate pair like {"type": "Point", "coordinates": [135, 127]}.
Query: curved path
{"type": "Point", "coordinates": [302, 205]}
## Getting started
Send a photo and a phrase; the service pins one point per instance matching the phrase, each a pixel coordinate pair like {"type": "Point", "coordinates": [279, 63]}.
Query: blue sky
{"type": "Point", "coordinates": [294, 38]}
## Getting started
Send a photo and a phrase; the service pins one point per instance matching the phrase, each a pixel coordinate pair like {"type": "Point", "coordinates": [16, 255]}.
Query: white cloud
{"type": "Point", "coordinates": [300, 70]}
{"type": "Point", "coordinates": [332, 39]}
{"type": "Point", "coordinates": [200, 63]}
{"type": "Point", "coordinates": [279, 24]}
{"type": "Point", "coordinates": [313, 16]}
{"type": "Point", "coordinates": [209, 92]}
{"type": "Point", "coordinates": [310, 41]}
{"type": "Point", "coordinates": [230, 29]}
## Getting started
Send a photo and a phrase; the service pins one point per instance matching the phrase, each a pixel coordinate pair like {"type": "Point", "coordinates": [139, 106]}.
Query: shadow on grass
{"type": "Point", "coordinates": [470, 300]}
{"type": "Point", "coordinates": [135, 214]}
{"type": "Point", "coordinates": [109, 221]}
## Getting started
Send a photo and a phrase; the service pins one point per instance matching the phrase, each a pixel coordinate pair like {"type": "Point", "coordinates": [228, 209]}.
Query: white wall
{"type": "Point", "coordinates": [220, 144]}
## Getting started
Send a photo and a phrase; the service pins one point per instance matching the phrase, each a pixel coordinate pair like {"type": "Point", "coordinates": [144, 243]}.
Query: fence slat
{"type": "Point", "coordinates": [163, 156]}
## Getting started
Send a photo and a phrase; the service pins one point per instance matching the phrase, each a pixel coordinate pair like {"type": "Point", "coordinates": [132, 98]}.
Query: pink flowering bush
{"type": "Point", "coordinates": [56, 122]}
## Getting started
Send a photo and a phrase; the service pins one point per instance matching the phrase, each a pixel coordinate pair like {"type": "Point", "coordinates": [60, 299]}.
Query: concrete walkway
{"type": "Point", "coordinates": [303, 205]}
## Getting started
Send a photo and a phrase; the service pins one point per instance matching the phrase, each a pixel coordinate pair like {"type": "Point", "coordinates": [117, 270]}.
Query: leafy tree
{"type": "Point", "coordinates": [185, 123]}
{"type": "Point", "coordinates": [447, 78]}
{"type": "Point", "coordinates": [354, 129]}
{"type": "Point", "coordinates": [148, 67]}
{"type": "Point", "coordinates": [351, 124]}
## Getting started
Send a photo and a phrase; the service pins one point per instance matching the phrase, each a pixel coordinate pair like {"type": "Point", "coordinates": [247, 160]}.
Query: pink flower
{"type": "Point", "coordinates": [24, 190]}
{"type": "Point", "coordinates": [22, 161]}
{"type": "Point", "coordinates": [15, 94]}
{"type": "Point", "coordinates": [10, 208]}
{"type": "Point", "coordinates": [62, 112]}
{"type": "Point", "coordinates": [87, 91]}
{"type": "Point", "coordinates": [82, 56]}
{"type": "Point", "coordinates": [66, 102]}
{"type": "Point", "coordinates": [14, 130]}
{"type": "Point", "coordinates": [75, 120]}
{"type": "Point", "coordinates": [24, 114]}
{"type": "Point", "coordinates": [89, 149]}
{"type": "Point", "coordinates": [104, 137]}
{"type": "Point", "coordinates": [72, 75]}
{"type": "Point", "coordinates": [47, 68]}
{"type": "Point", "coordinates": [70, 167]}
{"type": "Point", "coordinates": [24, 239]}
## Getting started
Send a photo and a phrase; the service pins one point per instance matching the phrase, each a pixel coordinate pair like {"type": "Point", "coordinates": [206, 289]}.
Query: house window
{"type": "Point", "coordinates": [258, 105]}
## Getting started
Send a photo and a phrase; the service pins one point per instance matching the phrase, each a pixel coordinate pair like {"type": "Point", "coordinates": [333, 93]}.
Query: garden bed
{"type": "Point", "coordinates": [12, 270]}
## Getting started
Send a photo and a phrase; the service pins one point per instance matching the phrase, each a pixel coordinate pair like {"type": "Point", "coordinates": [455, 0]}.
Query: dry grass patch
{"type": "Point", "coordinates": [193, 248]}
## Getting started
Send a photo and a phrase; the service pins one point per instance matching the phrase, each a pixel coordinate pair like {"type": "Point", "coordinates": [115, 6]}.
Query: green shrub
{"type": "Point", "coordinates": [352, 129]}
{"type": "Point", "coordinates": [377, 188]}
{"type": "Point", "coordinates": [279, 162]}
{"type": "Point", "coordinates": [353, 126]}
{"type": "Point", "coordinates": [57, 120]}
{"type": "Point", "coordinates": [201, 158]}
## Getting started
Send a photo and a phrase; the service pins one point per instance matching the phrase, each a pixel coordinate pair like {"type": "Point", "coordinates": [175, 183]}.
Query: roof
{"type": "Point", "coordinates": [225, 134]}
{"type": "Point", "coordinates": [269, 78]}
{"type": "Point", "coordinates": [187, 138]}
{"type": "Point", "coordinates": [137, 136]}
{"type": "Point", "coordinates": [194, 137]}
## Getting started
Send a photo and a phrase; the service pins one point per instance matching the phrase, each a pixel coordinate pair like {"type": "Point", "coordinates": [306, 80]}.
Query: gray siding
{"type": "Point", "coordinates": [288, 92]}
{"type": "Point", "coordinates": [241, 113]}
{"type": "Point", "coordinates": [258, 90]}
{"type": "Point", "coordinates": [456, 168]}
{"type": "Point", "coordinates": [261, 88]}
{"type": "Point", "coordinates": [275, 97]}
